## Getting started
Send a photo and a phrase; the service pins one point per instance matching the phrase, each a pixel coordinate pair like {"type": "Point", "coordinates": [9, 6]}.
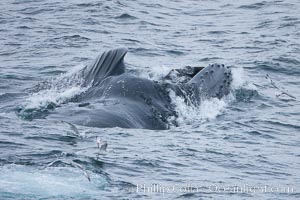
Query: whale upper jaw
{"type": "Point", "coordinates": [213, 81]}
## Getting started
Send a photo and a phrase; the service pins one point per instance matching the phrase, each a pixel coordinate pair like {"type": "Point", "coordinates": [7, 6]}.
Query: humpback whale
{"type": "Point", "coordinates": [117, 98]}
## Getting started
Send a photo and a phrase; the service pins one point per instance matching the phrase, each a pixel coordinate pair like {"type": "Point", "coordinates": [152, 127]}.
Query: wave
{"type": "Point", "coordinates": [125, 16]}
{"type": "Point", "coordinates": [283, 65]}
{"type": "Point", "coordinates": [17, 181]}
{"type": "Point", "coordinates": [255, 6]}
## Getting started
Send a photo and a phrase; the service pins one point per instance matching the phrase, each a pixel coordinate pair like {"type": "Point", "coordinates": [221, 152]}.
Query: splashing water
{"type": "Point", "coordinates": [53, 93]}
{"type": "Point", "coordinates": [209, 109]}
{"type": "Point", "coordinates": [57, 97]}
{"type": "Point", "coordinates": [239, 80]}
{"type": "Point", "coordinates": [155, 73]}
{"type": "Point", "coordinates": [241, 88]}
{"type": "Point", "coordinates": [238, 77]}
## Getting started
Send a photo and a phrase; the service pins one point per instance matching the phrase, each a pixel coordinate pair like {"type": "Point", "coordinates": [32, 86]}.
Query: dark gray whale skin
{"type": "Point", "coordinates": [117, 98]}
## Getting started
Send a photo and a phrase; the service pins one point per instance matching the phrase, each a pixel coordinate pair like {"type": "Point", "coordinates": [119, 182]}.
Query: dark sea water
{"type": "Point", "coordinates": [246, 145]}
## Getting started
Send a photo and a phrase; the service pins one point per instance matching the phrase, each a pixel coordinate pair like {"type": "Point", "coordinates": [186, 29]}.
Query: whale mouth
{"type": "Point", "coordinates": [182, 75]}
{"type": "Point", "coordinates": [211, 81]}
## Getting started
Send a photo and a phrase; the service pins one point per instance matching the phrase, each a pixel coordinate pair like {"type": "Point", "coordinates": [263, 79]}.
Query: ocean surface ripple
{"type": "Point", "coordinates": [246, 140]}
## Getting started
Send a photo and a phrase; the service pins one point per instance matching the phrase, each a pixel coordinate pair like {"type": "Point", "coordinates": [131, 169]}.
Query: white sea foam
{"type": "Point", "coordinates": [208, 109]}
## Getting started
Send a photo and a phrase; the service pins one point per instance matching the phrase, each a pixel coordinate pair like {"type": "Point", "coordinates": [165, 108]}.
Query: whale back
{"type": "Point", "coordinates": [110, 63]}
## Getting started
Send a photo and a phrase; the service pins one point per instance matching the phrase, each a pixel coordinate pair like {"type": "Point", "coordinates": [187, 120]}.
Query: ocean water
{"type": "Point", "coordinates": [245, 145]}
